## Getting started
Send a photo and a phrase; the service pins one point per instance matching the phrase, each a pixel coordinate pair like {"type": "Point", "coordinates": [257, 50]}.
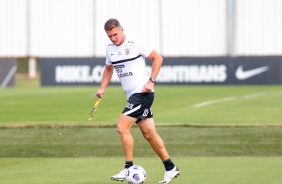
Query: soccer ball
{"type": "Point", "coordinates": [135, 175]}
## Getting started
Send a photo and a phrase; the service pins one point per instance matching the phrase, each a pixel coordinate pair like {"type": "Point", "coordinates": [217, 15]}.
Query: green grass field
{"type": "Point", "coordinates": [215, 134]}
{"type": "Point", "coordinates": [225, 105]}
{"type": "Point", "coordinates": [211, 170]}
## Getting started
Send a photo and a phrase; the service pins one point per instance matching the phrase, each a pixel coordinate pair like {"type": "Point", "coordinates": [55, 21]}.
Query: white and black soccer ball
{"type": "Point", "coordinates": [135, 175]}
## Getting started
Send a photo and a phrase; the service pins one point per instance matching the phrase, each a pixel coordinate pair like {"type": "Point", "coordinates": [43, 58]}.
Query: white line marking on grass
{"type": "Point", "coordinates": [254, 95]}
{"type": "Point", "coordinates": [214, 101]}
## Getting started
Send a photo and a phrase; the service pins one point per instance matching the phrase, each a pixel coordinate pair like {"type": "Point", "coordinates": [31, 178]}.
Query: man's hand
{"type": "Point", "coordinates": [100, 93]}
{"type": "Point", "coordinates": [148, 87]}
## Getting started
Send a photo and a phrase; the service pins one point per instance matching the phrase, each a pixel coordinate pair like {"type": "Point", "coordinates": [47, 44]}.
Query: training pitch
{"type": "Point", "coordinates": [215, 134]}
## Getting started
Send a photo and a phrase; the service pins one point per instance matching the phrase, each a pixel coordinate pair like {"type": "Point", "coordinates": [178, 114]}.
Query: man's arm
{"type": "Point", "coordinates": [107, 75]}
{"type": "Point", "coordinates": [157, 60]}
{"type": "Point", "coordinates": [157, 63]}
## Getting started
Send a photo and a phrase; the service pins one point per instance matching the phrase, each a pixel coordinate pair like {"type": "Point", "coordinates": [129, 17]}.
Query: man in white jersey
{"type": "Point", "coordinates": [127, 57]}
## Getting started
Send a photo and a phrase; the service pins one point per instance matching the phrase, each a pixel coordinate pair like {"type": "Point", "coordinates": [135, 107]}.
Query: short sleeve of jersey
{"type": "Point", "coordinates": [143, 48]}
{"type": "Point", "coordinates": [108, 61]}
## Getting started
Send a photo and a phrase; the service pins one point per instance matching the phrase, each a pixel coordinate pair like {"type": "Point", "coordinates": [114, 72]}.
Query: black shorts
{"type": "Point", "coordinates": [139, 106]}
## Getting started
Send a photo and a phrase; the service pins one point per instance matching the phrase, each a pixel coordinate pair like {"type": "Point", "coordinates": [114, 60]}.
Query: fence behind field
{"type": "Point", "coordinates": [176, 28]}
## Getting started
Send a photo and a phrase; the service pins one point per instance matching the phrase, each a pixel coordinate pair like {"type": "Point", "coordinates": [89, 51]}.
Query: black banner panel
{"type": "Point", "coordinates": [213, 70]}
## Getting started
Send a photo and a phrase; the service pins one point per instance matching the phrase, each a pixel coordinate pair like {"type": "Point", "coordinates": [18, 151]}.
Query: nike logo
{"type": "Point", "coordinates": [242, 75]}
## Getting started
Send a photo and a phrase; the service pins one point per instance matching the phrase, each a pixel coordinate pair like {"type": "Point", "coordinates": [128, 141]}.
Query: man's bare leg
{"type": "Point", "coordinates": [123, 127]}
{"type": "Point", "coordinates": [148, 130]}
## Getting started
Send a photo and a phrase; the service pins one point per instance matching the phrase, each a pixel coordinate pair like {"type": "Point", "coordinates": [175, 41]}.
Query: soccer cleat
{"type": "Point", "coordinates": [169, 175]}
{"type": "Point", "coordinates": [120, 176]}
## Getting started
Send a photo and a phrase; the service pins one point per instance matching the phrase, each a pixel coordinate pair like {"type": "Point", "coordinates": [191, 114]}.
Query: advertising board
{"type": "Point", "coordinates": [206, 70]}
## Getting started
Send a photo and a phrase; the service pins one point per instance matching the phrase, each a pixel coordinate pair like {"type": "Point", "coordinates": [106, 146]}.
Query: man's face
{"type": "Point", "coordinates": [116, 35]}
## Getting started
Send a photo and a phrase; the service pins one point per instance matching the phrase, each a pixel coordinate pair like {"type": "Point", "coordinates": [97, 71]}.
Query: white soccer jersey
{"type": "Point", "coordinates": [128, 60]}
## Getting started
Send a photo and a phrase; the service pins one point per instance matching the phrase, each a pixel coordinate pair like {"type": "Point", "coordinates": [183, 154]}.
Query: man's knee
{"type": "Point", "coordinates": [149, 135]}
{"type": "Point", "coordinates": [120, 129]}
{"type": "Point", "coordinates": [124, 124]}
